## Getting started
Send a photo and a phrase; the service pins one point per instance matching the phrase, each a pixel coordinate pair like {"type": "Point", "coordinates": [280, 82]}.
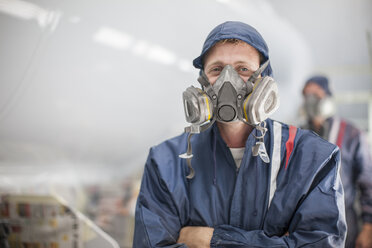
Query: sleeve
{"type": "Point", "coordinates": [363, 162]}
{"type": "Point", "coordinates": [156, 220]}
{"type": "Point", "coordinates": [318, 221]}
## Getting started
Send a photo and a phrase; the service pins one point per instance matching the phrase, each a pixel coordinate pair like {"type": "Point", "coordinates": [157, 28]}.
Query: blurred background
{"type": "Point", "coordinates": [88, 86]}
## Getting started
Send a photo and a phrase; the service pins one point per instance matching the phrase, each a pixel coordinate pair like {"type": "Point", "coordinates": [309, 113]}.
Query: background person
{"type": "Point", "coordinates": [356, 170]}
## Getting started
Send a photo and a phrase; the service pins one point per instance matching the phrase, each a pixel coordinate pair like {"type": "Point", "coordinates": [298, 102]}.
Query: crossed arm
{"type": "Point", "coordinates": [196, 236]}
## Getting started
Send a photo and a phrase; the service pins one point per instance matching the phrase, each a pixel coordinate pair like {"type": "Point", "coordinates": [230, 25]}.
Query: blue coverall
{"type": "Point", "coordinates": [299, 192]}
{"type": "Point", "coordinates": [356, 172]}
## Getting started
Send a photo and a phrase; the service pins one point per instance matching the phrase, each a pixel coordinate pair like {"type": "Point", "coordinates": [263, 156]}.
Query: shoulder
{"type": "Point", "coordinates": [302, 137]}
{"type": "Point", "coordinates": [303, 147]}
{"type": "Point", "coordinates": [351, 129]}
{"type": "Point", "coordinates": [163, 163]}
{"type": "Point", "coordinates": [313, 143]}
{"type": "Point", "coordinates": [172, 146]}
{"type": "Point", "coordinates": [306, 162]}
{"type": "Point", "coordinates": [164, 157]}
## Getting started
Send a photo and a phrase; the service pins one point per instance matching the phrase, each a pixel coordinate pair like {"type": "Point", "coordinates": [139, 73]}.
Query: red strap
{"type": "Point", "coordinates": [290, 143]}
{"type": "Point", "coordinates": [341, 133]}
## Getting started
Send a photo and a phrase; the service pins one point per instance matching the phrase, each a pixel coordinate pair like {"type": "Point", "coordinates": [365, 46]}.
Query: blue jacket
{"type": "Point", "coordinates": [356, 171]}
{"type": "Point", "coordinates": [298, 192]}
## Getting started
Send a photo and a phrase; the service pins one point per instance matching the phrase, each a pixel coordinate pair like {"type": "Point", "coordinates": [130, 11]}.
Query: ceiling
{"type": "Point", "coordinates": [89, 86]}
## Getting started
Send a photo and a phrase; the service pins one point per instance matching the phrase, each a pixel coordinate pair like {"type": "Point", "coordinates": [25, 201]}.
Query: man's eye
{"type": "Point", "coordinates": [244, 71]}
{"type": "Point", "coordinates": [215, 69]}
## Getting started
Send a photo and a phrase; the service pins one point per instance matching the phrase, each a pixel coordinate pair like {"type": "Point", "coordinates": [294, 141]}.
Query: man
{"type": "Point", "coordinates": [356, 171]}
{"type": "Point", "coordinates": [248, 181]}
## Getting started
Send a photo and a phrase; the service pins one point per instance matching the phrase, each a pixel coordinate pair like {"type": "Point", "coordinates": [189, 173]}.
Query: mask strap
{"type": "Point", "coordinates": [258, 72]}
{"type": "Point", "coordinates": [259, 148]}
{"type": "Point", "coordinates": [246, 122]}
{"type": "Point", "coordinates": [262, 128]}
{"type": "Point", "coordinates": [193, 129]}
{"type": "Point", "coordinates": [203, 80]}
{"type": "Point", "coordinates": [188, 156]}
{"type": "Point", "coordinates": [207, 87]}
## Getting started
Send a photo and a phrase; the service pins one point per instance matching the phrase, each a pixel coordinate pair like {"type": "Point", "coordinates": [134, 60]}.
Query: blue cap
{"type": "Point", "coordinates": [235, 30]}
{"type": "Point", "coordinates": [322, 81]}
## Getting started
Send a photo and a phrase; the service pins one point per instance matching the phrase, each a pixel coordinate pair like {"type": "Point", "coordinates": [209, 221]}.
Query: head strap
{"type": "Point", "coordinates": [258, 72]}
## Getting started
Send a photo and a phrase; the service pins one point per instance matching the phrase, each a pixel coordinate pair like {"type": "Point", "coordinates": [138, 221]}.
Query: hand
{"type": "Point", "coordinates": [196, 236]}
{"type": "Point", "coordinates": [364, 239]}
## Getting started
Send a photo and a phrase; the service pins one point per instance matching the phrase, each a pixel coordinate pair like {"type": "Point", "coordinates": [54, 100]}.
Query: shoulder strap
{"type": "Point", "coordinates": [289, 145]}
{"type": "Point", "coordinates": [336, 135]}
{"type": "Point", "coordinates": [341, 133]}
{"type": "Point", "coordinates": [275, 160]}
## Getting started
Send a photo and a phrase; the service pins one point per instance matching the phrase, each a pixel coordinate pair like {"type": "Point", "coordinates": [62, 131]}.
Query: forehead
{"type": "Point", "coordinates": [313, 88]}
{"type": "Point", "coordinates": [230, 53]}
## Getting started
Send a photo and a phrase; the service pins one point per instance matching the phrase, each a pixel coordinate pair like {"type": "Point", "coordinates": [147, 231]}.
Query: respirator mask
{"type": "Point", "coordinates": [318, 107]}
{"type": "Point", "coordinates": [231, 99]}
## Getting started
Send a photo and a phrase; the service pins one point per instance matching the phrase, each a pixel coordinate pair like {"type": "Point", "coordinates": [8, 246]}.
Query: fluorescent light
{"type": "Point", "coordinates": [113, 38]}
{"type": "Point", "coordinates": [223, 1]}
{"type": "Point", "coordinates": [29, 11]}
{"type": "Point", "coordinates": [122, 41]}
{"type": "Point", "coordinates": [140, 48]}
{"type": "Point", "coordinates": [160, 54]}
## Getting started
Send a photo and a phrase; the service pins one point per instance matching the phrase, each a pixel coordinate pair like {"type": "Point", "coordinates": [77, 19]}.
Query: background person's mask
{"type": "Point", "coordinates": [316, 107]}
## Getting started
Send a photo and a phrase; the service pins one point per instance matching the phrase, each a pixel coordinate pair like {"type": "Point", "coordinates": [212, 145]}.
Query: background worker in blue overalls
{"type": "Point", "coordinates": [356, 163]}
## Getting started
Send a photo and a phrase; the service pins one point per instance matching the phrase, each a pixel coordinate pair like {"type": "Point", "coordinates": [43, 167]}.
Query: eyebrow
{"type": "Point", "coordinates": [214, 63]}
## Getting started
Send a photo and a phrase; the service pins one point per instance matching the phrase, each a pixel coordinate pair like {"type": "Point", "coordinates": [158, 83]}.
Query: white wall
{"type": "Point", "coordinates": [88, 86]}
